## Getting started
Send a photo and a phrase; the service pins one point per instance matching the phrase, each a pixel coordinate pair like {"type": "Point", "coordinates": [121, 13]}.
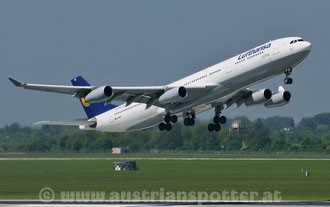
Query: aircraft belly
{"type": "Point", "coordinates": [151, 117]}
{"type": "Point", "coordinates": [150, 122]}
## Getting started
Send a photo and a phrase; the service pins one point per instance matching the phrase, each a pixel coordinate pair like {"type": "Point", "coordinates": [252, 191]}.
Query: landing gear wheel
{"type": "Point", "coordinates": [287, 71]}
{"type": "Point", "coordinates": [167, 118]}
{"type": "Point", "coordinates": [174, 119]}
{"type": "Point", "coordinates": [288, 80]}
{"type": "Point", "coordinates": [210, 127]}
{"type": "Point", "coordinates": [223, 120]}
{"type": "Point", "coordinates": [168, 126]}
{"type": "Point", "coordinates": [216, 119]}
{"type": "Point", "coordinates": [189, 118]}
{"type": "Point", "coordinates": [186, 121]}
{"type": "Point", "coordinates": [217, 127]}
{"type": "Point", "coordinates": [161, 126]}
{"type": "Point", "coordinates": [191, 122]}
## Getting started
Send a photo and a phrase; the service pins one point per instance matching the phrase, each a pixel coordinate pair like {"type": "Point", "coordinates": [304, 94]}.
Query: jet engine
{"type": "Point", "coordinates": [99, 94]}
{"type": "Point", "coordinates": [173, 95]}
{"type": "Point", "coordinates": [280, 98]}
{"type": "Point", "coordinates": [258, 97]}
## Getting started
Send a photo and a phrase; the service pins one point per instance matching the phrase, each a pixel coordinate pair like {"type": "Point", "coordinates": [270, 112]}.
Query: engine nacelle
{"type": "Point", "coordinates": [98, 95]}
{"type": "Point", "coordinates": [173, 95]}
{"type": "Point", "coordinates": [258, 97]}
{"type": "Point", "coordinates": [279, 99]}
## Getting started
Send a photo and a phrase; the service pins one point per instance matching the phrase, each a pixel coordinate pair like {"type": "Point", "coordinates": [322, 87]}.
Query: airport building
{"type": "Point", "coordinates": [237, 127]}
{"type": "Point", "coordinates": [119, 150]}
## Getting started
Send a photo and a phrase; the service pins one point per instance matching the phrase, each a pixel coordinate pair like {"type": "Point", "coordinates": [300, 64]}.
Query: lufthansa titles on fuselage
{"type": "Point", "coordinates": [253, 51]}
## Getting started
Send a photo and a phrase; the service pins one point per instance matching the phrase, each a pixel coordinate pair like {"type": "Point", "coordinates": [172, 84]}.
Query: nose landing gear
{"type": "Point", "coordinates": [287, 79]}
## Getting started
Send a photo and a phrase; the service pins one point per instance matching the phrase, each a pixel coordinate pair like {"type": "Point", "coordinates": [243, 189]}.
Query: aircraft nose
{"type": "Point", "coordinates": [308, 46]}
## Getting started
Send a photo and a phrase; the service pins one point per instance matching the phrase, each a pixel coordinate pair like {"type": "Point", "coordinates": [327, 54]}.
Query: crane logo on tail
{"type": "Point", "coordinates": [84, 103]}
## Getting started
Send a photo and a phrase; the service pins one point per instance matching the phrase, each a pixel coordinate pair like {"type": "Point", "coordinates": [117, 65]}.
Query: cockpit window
{"type": "Point", "coordinates": [294, 41]}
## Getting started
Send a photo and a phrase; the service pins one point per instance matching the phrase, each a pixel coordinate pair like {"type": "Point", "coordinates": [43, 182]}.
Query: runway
{"type": "Point", "coordinates": [171, 158]}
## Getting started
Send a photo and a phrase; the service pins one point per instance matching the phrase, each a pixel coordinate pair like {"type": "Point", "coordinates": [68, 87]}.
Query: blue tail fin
{"type": "Point", "coordinates": [91, 109]}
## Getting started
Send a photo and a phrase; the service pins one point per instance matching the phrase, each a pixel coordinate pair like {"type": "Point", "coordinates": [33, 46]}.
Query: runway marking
{"type": "Point", "coordinates": [172, 158]}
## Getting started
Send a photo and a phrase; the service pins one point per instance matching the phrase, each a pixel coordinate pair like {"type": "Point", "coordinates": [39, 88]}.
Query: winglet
{"type": "Point", "coordinates": [17, 83]}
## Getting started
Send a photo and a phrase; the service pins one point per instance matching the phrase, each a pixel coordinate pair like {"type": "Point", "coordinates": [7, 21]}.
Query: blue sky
{"type": "Point", "coordinates": [138, 43]}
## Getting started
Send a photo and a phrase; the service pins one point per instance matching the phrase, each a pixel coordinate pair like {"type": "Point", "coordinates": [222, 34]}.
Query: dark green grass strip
{"type": "Point", "coordinates": [24, 179]}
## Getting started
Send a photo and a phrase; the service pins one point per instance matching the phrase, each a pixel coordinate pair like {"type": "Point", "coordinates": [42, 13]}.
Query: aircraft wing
{"type": "Point", "coordinates": [238, 97]}
{"type": "Point", "coordinates": [79, 91]}
{"type": "Point", "coordinates": [142, 94]}
{"type": "Point", "coordinates": [68, 123]}
{"type": "Point", "coordinates": [82, 91]}
{"type": "Point", "coordinates": [150, 94]}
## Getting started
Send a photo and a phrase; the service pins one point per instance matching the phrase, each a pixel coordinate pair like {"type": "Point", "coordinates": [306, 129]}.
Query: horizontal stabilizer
{"type": "Point", "coordinates": [68, 123]}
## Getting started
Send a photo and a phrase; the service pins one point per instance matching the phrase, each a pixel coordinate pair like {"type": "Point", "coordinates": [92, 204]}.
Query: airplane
{"type": "Point", "coordinates": [218, 87]}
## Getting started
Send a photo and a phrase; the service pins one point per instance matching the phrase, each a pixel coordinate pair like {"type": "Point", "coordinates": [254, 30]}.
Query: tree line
{"type": "Point", "coordinates": [312, 134]}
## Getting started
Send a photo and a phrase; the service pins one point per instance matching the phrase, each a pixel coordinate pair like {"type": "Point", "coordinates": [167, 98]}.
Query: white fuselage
{"type": "Point", "coordinates": [239, 72]}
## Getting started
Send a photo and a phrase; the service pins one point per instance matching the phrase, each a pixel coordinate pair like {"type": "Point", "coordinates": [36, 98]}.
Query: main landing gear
{"type": "Point", "coordinates": [166, 125]}
{"type": "Point", "coordinates": [217, 120]}
{"type": "Point", "coordinates": [189, 119]}
{"type": "Point", "coordinates": [287, 79]}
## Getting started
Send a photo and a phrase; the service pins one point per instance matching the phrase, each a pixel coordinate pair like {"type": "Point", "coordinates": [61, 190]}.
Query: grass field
{"type": "Point", "coordinates": [24, 179]}
{"type": "Point", "coordinates": [163, 155]}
